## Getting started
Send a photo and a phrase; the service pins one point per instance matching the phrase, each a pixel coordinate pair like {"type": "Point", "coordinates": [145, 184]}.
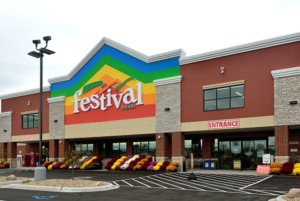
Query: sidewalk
{"type": "Point", "coordinates": [230, 172]}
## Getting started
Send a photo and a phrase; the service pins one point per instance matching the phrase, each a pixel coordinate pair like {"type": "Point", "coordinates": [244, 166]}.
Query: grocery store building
{"type": "Point", "coordinates": [235, 103]}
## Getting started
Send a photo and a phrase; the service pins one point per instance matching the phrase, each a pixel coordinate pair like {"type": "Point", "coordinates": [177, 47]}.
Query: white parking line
{"type": "Point", "coordinates": [127, 183]}
{"type": "Point", "coordinates": [221, 179]}
{"type": "Point", "coordinates": [220, 185]}
{"type": "Point", "coordinates": [240, 180]}
{"type": "Point", "coordinates": [214, 182]}
{"type": "Point", "coordinates": [182, 183]}
{"type": "Point", "coordinates": [256, 182]}
{"type": "Point", "coordinates": [141, 183]}
{"type": "Point", "coordinates": [264, 192]}
{"type": "Point", "coordinates": [219, 190]}
{"type": "Point", "coordinates": [153, 183]}
{"type": "Point", "coordinates": [165, 182]}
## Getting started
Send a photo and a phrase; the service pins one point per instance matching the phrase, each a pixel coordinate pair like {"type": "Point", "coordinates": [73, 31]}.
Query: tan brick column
{"type": "Point", "coordinates": [282, 143]}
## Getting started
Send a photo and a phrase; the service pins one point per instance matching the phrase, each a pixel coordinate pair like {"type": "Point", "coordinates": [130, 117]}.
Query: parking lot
{"type": "Point", "coordinates": [214, 186]}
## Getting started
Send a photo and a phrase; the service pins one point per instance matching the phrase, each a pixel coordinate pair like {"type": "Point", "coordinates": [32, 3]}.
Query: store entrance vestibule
{"type": "Point", "coordinates": [250, 152]}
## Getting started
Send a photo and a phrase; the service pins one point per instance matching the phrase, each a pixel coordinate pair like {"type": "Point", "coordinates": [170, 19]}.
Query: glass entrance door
{"type": "Point", "coordinates": [250, 152]}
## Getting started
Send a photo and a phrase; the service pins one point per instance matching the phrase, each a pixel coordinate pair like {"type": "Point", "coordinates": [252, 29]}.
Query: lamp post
{"type": "Point", "coordinates": [40, 54]}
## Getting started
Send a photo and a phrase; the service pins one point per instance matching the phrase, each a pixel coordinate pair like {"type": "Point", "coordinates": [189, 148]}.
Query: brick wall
{"type": "Point", "coordinates": [168, 96]}
{"type": "Point", "coordinates": [5, 126]}
{"type": "Point", "coordinates": [57, 119]}
{"type": "Point", "coordinates": [282, 140]}
{"type": "Point", "coordinates": [207, 145]}
{"type": "Point", "coordinates": [53, 149]}
{"type": "Point", "coordinates": [287, 89]}
{"type": "Point", "coordinates": [163, 145]}
{"type": "Point", "coordinates": [177, 144]}
{"type": "Point", "coordinates": [63, 146]}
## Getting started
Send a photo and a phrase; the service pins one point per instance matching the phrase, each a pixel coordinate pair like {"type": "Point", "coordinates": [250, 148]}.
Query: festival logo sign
{"type": "Point", "coordinates": [112, 85]}
{"type": "Point", "coordinates": [107, 96]}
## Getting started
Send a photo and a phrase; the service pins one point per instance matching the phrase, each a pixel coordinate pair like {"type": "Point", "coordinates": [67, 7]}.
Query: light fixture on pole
{"type": "Point", "coordinates": [40, 54]}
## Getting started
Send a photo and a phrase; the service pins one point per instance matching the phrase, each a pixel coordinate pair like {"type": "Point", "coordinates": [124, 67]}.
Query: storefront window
{"type": "Point", "coordinates": [119, 148]}
{"type": "Point", "coordinates": [215, 148]}
{"type": "Point", "coordinates": [152, 148]}
{"type": "Point", "coordinates": [271, 145]}
{"type": "Point", "coordinates": [30, 120]}
{"type": "Point", "coordinates": [187, 148]}
{"type": "Point", "coordinates": [224, 149]}
{"type": "Point", "coordinates": [84, 149]}
{"type": "Point", "coordinates": [261, 147]}
{"type": "Point", "coordinates": [236, 149]}
{"type": "Point", "coordinates": [144, 148]}
{"type": "Point", "coordinates": [193, 146]}
{"type": "Point", "coordinates": [224, 98]}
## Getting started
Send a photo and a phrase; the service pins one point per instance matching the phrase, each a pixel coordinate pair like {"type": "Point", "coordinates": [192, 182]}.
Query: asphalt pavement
{"type": "Point", "coordinates": [162, 186]}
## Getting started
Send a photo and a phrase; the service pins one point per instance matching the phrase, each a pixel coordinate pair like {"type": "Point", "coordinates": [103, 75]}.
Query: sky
{"type": "Point", "coordinates": [150, 27]}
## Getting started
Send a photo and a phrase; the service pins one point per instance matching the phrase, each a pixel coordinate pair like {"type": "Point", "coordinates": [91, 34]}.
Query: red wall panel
{"type": "Point", "coordinates": [254, 67]}
{"type": "Point", "coordinates": [20, 104]}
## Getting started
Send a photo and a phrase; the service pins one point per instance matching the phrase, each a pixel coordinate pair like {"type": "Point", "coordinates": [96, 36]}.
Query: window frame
{"type": "Point", "coordinates": [31, 120]}
{"type": "Point", "coordinates": [229, 98]}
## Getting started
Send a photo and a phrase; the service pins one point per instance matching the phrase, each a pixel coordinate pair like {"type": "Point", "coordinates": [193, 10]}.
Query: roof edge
{"type": "Point", "coordinates": [123, 48]}
{"type": "Point", "coordinates": [24, 93]}
{"type": "Point", "coordinates": [281, 40]}
{"type": "Point", "coordinates": [285, 72]}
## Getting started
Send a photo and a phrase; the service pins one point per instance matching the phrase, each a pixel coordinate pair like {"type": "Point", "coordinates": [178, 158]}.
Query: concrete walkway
{"type": "Point", "coordinates": [231, 172]}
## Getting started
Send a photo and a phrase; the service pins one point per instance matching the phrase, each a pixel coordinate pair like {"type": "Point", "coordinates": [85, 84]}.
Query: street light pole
{"type": "Point", "coordinates": [40, 54]}
{"type": "Point", "coordinates": [41, 110]}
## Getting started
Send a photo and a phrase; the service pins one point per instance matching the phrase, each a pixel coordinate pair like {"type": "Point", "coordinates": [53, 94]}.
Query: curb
{"type": "Point", "coordinates": [10, 182]}
{"type": "Point", "coordinates": [106, 187]}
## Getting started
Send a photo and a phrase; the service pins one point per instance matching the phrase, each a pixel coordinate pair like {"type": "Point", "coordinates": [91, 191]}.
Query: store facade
{"type": "Point", "coordinates": [223, 105]}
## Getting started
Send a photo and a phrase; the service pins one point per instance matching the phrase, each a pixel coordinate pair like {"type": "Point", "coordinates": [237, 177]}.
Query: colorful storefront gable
{"type": "Point", "coordinates": [113, 85]}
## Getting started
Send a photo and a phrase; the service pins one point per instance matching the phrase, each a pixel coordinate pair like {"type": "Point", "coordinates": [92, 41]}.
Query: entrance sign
{"type": "Point", "coordinates": [221, 124]}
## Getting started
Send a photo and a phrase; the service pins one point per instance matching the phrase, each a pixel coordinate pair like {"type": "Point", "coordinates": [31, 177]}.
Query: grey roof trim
{"type": "Point", "coordinates": [56, 99]}
{"type": "Point", "coordinates": [24, 93]}
{"type": "Point", "coordinates": [123, 48]}
{"type": "Point", "coordinates": [169, 80]}
{"type": "Point", "coordinates": [242, 48]}
{"type": "Point", "coordinates": [285, 72]}
{"type": "Point", "coordinates": [5, 114]}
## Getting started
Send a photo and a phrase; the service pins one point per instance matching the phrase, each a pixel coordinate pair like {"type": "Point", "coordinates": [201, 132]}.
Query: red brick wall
{"type": "Point", "coordinates": [11, 150]}
{"type": "Point", "coordinates": [163, 145]}
{"type": "Point", "coordinates": [177, 144]}
{"type": "Point", "coordinates": [20, 104]}
{"type": "Point", "coordinates": [207, 145]}
{"type": "Point", "coordinates": [254, 67]}
{"type": "Point", "coordinates": [53, 148]}
{"type": "Point", "coordinates": [282, 140]}
{"type": "Point", "coordinates": [2, 150]}
{"type": "Point", "coordinates": [63, 147]}
{"type": "Point", "coordinates": [129, 147]}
